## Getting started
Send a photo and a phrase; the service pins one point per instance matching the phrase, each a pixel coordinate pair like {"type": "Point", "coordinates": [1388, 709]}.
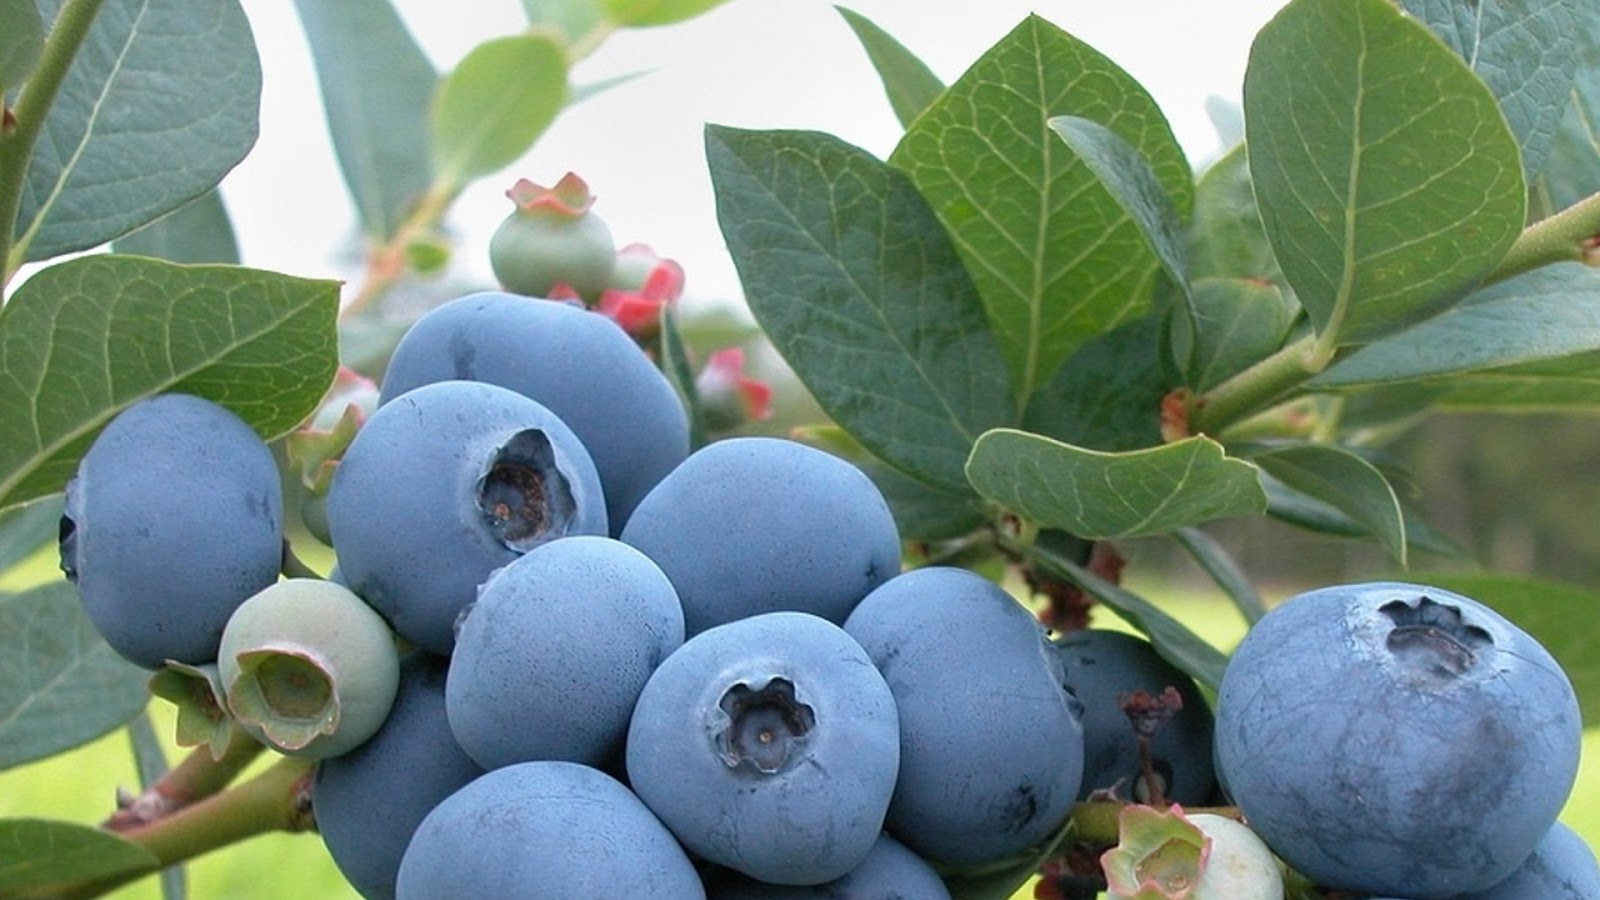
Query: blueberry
{"type": "Point", "coordinates": [760, 524]}
{"type": "Point", "coordinates": [1102, 669]}
{"type": "Point", "coordinates": [445, 484]}
{"type": "Point", "coordinates": [308, 668]}
{"type": "Point", "coordinates": [1396, 738]}
{"type": "Point", "coordinates": [889, 872]}
{"type": "Point", "coordinates": [545, 830]}
{"type": "Point", "coordinates": [992, 747]}
{"type": "Point", "coordinates": [768, 745]}
{"type": "Point", "coordinates": [580, 364]}
{"type": "Point", "coordinates": [369, 801]}
{"type": "Point", "coordinates": [551, 657]}
{"type": "Point", "coordinates": [1562, 867]}
{"type": "Point", "coordinates": [174, 518]}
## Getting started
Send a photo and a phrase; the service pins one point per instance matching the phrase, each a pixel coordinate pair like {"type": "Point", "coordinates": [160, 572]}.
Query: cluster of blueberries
{"type": "Point", "coordinates": [561, 655]}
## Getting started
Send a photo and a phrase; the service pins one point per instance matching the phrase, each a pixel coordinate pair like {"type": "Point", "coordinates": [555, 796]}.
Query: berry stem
{"type": "Point", "coordinates": [278, 799]}
{"type": "Point", "coordinates": [198, 776]}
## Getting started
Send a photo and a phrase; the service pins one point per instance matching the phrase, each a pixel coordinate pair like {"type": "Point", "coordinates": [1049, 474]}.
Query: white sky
{"type": "Point", "coordinates": [749, 64]}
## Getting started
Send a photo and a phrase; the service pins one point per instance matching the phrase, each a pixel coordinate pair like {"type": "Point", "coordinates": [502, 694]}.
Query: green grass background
{"type": "Point", "coordinates": [80, 786]}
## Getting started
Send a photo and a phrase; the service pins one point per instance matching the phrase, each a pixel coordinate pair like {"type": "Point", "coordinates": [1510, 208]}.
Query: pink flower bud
{"type": "Point", "coordinates": [729, 397]}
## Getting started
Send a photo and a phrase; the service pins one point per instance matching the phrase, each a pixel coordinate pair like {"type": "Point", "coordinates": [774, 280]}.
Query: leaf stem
{"type": "Point", "coordinates": [1268, 381]}
{"type": "Point", "coordinates": [1568, 236]}
{"type": "Point", "coordinates": [26, 121]}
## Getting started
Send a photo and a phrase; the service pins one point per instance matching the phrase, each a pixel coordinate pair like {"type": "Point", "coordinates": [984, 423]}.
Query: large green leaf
{"type": "Point", "coordinates": [852, 278]}
{"type": "Point", "coordinates": [21, 40]}
{"type": "Point", "coordinates": [1056, 258]}
{"type": "Point", "coordinates": [376, 84]}
{"type": "Point", "coordinates": [1564, 618]}
{"type": "Point", "coordinates": [161, 101]}
{"type": "Point", "coordinates": [1570, 173]}
{"type": "Point", "coordinates": [908, 81]}
{"type": "Point", "coordinates": [197, 232]}
{"type": "Point", "coordinates": [37, 854]}
{"type": "Point", "coordinates": [60, 684]}
{"type": "Point", "coordinates": [1549, 313]}
{"type": "Point", "coordinates": [1387, 178]}
{"type": "Point", "coordinates": [1226, 238]}
{"type": "Point", "coordinates": [1570, 384]}
{"type": "Point", "coordinates": [84, 339]}
{"type": "Point", "coordinates": [495, 104]}
{"type": "Point", "coordinates": [1113, 495]}
{"type": "Point", "coordinates": [1344, 481]}
{"type": "Point", "coordinates": [1525, 50]}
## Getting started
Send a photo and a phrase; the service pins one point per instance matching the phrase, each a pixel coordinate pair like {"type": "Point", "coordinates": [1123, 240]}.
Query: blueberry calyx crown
{"type": "Point", "coordinates": [763, 728]}
{"type": "Point", "coordinates": [1433, 637]}
{"type": "Point", "coordinates": [524, 496]}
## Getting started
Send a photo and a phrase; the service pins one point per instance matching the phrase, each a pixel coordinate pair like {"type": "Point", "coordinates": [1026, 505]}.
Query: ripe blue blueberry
{"type": "Point", "coordinates": [368, 802]}
{"type": "Point", "coordinates": [890, 872]}
{"type": "Point", "coordinates": [445, 484]}
{"type": "Point", "coordinates": [545, 830]}
{"type": "Point", "coordinates": [1562, 867]}
{"type": "Point", "coordinates": [551, 657]}
{"type": "Point", "coordinates": [992, 747]}
{"type": "Point", "coordinates": [174, 518]}
{"type": "Point", "coordinates": [768, 745]}
{"type": "Point", "coordinates": [579, 364]}
{"type": "Point", "coordinates": [1104, 667]}
{"type": "Point", "coordinates": [1394, 738]}
{"type": "Point", "coordinates": [760, 524]}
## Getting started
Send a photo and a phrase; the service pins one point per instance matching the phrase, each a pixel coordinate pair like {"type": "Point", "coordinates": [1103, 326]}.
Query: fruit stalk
{"type": "Point", "coordinates": [27, 121]}
{"type": "Point", "coordinates": [198, 776]}
{"type": "Point", "coordinates": [278, 799]}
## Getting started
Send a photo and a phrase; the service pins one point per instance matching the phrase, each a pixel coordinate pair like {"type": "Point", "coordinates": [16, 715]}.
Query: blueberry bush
{"type": "Point", "coordinates": [520, 566]}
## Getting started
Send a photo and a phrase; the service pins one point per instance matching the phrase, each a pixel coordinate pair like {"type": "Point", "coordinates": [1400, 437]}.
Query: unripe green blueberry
{"type": "Point", "coordinates": [309, 668]}
{"type": "Point", "coordinates": [553, 238]}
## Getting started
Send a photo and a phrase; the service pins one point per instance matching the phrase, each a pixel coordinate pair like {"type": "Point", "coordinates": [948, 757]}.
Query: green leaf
{"type": "Point", "coordinates": [1236, 322]}
{"type": "Point", "coordinates": [37, 854]}
{"type": "Point", "coordinates": [1171, 638]}
{"type": "Point", "coordinates": [1107, 396]}
{"type": "Point", "coordinates": [496, 103]}
{"type": "Point", "coordinates": [1100, 495]}
{"type": "Point", "coordinates": [1546, 314]}
{"type": "Point", "coordinates": [1226, 238]}
{"type": "Point", "coordinates": [160, 103]}
{"type": "Point", "coordinates": [1321, 517]}
{"type": "Point", "coordinates": [84, 339]}
{"type": "Point", "coordinates": [1054, 254]}
{"type": "Point", "coordinates": [26, 529]}
{"type": "Point", "coordinates": [908, 81]}
{"type": "Point", "coordinates": [1345, 482]}
{"type": "Point", "coordinates": [21, 41]}
{"type": "Point", "coordinates": [572, 18]}
{"type": "Point", "coordinates": [923, 512]}
{"type": "Point", "coordinates": [197, 232]}
{"type": "Point", "coordinates": [1570, 173]}
{"type": "Point", "coordinates": [376, 84]}
{"type": "Point", "coordinates": [1127, 176]}
{"type": "Point", "coordinates": [646, 13]}
{"type": "Point", "coordinates": [1571, 384]}
{"type": "Point", "coordinates": [1387, 177]}
{"type": "Point", "coordinates": [60, 684]}
{"type": "Point", "coordinates": [1564, 618]}
{"type": "Point", "coordinates": [856, 284]}
{"type": "Point", "coordinates": [1524, 51]}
